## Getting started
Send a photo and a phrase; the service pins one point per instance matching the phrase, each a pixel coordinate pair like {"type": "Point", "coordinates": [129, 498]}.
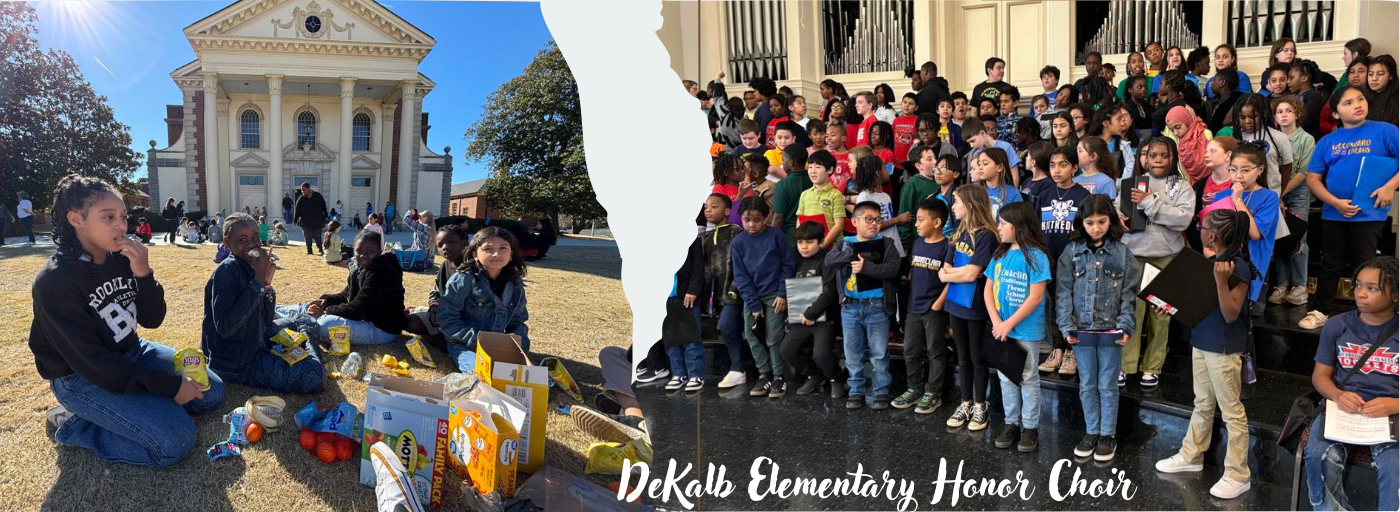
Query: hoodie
{"type": "Point", "coordinates": [373, 293]}
{"type": "Point", "coordinates": [1169, 210]}
{"type": "Point", "coordinates": [1383, 105]}
{"type": "Point", "coordinates": [719, 276]}
{"type": "Point", "coordinates": [931, 93]}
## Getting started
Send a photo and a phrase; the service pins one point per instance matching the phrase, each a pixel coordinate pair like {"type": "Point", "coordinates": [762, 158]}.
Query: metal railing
{"type": "Point", "coordinates": [1261, 22]}
{"type": "Point", "coordinates": [868, 36]}
{"type": "Point", "coordinates": [1132, 24]}
{"type": "Point", "coordinates": [757, 40]}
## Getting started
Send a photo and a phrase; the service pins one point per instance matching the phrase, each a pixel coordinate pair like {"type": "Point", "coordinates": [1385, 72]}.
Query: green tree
{"type": "Point", "coordinates": [52, 122]}
{"type": "Point", "coordinates": [531, 133]}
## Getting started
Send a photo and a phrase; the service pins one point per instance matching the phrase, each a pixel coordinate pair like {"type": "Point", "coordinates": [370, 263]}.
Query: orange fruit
{"type": "Point", "coordinates": [308, 440]}
{"type": "Point", "coordinates": [325, 437]}
{"type": "Point", "coordinates": [325, 452]}
{"type": "Point", "coordinates": [344, 449]}
{"type": "Point", "coordinates": [255, 432]}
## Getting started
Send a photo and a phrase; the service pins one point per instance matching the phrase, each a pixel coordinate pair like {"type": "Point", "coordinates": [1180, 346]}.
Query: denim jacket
{"type": "Point", "coordinates": [468, 306]}
{"type": "Point", "coordinates": [1096, 288]}
{"type": "Point", "coordinates": [240, 319]}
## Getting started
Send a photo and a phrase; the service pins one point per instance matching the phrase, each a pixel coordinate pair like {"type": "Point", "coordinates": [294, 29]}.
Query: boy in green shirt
{"type": "Point", "coordinates": [823, 201]}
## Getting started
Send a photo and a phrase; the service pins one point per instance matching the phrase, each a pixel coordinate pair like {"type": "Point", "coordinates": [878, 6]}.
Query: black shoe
{"type": "Point", "coordinates": [882, 402]}
{"type": "Point", "coordinates": [649, 375]}
{"type": "Point", "coordinates": [1029, 441]}
{"type": "Point", "coordinates": [838, 389]}
{"type": "Point", "coordinates": [606, 405]}
{"type": "Point", "coordinates": [779, 388]}
{"type": "Point", "coordinates": [1086, 446]}
{"type": "Point", "coordinates": [927, 404]}
{"type": "Point", "coordinates": [810, 386]}
{"type": "Point", "coordinates": [762, 387]}
{"type": "Point", "coordinates": [1107, 448]}
{"type": "Point", "coordinates": [1008, 437]}
{"type": "Point", "coordinates": [855, 402]}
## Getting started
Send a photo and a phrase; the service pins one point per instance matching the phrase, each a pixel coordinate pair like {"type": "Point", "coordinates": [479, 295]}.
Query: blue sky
{"type": "Point", "coordinates": [128, 49]}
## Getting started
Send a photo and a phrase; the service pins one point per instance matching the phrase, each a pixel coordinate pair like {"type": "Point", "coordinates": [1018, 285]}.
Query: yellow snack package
{"type": "Point", "coordinates": [389, 361]}
{"type": "Point", "coordinates": [289, 338]}
{"type": "Point", "coordinates": [560, 375]}
{"type": "Point", "coordinates": [420, 352]}
{"type": "Point", "coordinates": [288, 354]}
{"type": "Point", "coordinates": [340, 340]}
{"type": "Point", "coordinates": [606, 458]}
{"type": "Point", "coordinates": [190, 363]}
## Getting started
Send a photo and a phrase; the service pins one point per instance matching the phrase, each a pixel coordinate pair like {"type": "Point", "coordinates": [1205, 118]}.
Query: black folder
{"type": "Point", "coordinates": [1006, 357]}
{"type": "Point", "coordinates": [1137, 219]}
{"type": "Point", "coordinates": [874, 252]}
{"type": "Point", "coordinates": [1185, 288]}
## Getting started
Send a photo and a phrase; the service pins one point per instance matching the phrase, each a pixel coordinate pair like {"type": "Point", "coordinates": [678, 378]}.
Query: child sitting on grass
{"type": "Point", "coordinates": [486, 294]}
{"type": "Point", "coordinates": [337, 253]}
{"type": "Point", "coordinates": [240, 319]}
{"type": "Point", "coordinates": [278, 236]}
{"type": "Point", "coordinates": [371, 303]}
{"type": "Point", "coordinates": [423, 321]}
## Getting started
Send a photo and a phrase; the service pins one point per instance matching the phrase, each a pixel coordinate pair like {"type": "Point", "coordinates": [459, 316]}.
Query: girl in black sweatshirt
{"type": "Point", "coordinates": [120, 396]}
{"type": "Point", "coordinates": [372, 302]}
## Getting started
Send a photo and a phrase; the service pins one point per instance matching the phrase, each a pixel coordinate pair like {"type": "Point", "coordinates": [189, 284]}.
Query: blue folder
{"type": "Point", "coordinates": [1375, 171]}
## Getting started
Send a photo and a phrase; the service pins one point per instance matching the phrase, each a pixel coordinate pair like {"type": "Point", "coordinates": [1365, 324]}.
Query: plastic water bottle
{"type": "Point", "coordinates": [351, 367]}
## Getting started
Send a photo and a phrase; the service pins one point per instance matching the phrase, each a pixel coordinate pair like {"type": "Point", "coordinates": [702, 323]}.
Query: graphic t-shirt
{"type": "Point", "coordinates": [905, 133]}
{"type": "Point", "coordinates": [743, 153]}
{"type": "Point", "coordinates": [886, 213]}
{"type": "Point", "coordinates": [772, 128]}
{"type": "Point", "coordinates": [862, 137]}
{"type": "Point", "coordinates": [1345, 338]}
{"type": "Point", "coordinates": [1002, 196]}
{"type": "Point", "coordinates": [1213, 188]}
{"type": "Point", "coordinates": [924, 284]}
{"type": "Point", "coordinates": [1340, 157]}
{"type": "Point", "coordinates": [965, 299]}
{"type": "Point", "coordinates": [1099, 183]}
{"type": "Point", "coordinates": [1011, 277]}
{"type": "Point", "coordinates": [1058, 209]}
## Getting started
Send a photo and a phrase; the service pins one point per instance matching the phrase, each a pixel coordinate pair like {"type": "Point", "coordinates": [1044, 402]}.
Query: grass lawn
{"type": "Point", "coordinates": [576, 308]}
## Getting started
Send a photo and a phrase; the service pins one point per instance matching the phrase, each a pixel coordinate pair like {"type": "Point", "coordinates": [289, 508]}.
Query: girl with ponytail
{"type": "Point", "coordinates": [119, 395]}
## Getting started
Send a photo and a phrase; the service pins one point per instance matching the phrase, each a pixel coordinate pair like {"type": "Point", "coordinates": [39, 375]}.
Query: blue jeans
{"type": "Point", "coordinates": [865, 325]}
{"type": "Point", "coordinates": [28, 223]}
{"type": "Point", "coordinates": [1325, 462]}
{"type": "Point", "coordinates": [731, 328]}
{"type": "Point", "coordinates": [287, 214]}
{"type": "Point", "coordinates": [767, 358]}
{"type": "Point", "coordinates": [1022, 404]}
{"type": "Point", "coordinates": [361, 332]}
{"type": "Point", "coordinates": [137, 428]}
{"type": "Point", "coordinates": [688, 360]}
{"type": "Point", "coordinates": [1293, 270]}
{"type": "Point", "coordinates": [1098, 387]}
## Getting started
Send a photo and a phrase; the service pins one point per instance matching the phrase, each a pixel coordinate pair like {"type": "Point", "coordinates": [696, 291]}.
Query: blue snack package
{"type": "Point", "coordinates": [237, 426]}
{"type": "Point", "coordinates": [225, 449]}
{"type": "Point", "coordinates": [342, 418]}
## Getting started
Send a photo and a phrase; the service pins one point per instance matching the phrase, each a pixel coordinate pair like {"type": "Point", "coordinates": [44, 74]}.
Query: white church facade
{"type": "Point", "coordinates": [285, 92]}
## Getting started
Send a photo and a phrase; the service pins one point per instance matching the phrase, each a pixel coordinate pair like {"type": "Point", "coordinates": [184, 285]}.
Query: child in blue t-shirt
{"type": "Point", "coordinates": [947, 174]}
{"type": "Point", "coordinates": [1371, 390]}
{"type": "Point", "coordinates": [1348, 174]}
{"type": "Point", "coordinates": [1015, 297]}
{"type": "Point", "coordinates": [1261, 204]}
{"type": "Point", "coordinates": [1216, 344]}
{"type": "Point", "coordinates": [992, 169]}
{"type": "Point", "coordinates": [925, 322]}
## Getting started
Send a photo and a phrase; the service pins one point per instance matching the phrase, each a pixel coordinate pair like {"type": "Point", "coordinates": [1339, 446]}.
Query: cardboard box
{"type": "Point", "coordinates": [411, 417]}
{"type": "Point", "coordinates": [501, 363]}
{"type": "Point", "coordinates": [483, 446]}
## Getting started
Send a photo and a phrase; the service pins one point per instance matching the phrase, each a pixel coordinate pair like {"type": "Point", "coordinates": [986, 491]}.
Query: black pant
{"type": "Point", "coordinates": [821, 336]}
{"type": "Point", "coordinates": [171, 226]}
{"type": "Point", "coordinates": [969, 335]}
{"type": "Point", "coordinates": [1052, 326]}
{"type": "Point", "coordinates": [925, 338]}
{"type": "Point", "coordinates": [1344, 246]}
{"type": "Point", "coordinates": [313, 236]}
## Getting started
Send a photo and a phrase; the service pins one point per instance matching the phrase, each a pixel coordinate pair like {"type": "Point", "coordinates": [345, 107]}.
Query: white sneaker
{"type": "Point", "coordinates": [393, 487]}
{"type": "Point", "coordinates": [733, 378]}
{"type": "Point", "coordinates": [675, 383]}
{"type": "Point", "coordinates": [1277, 296]}
{"type": "Point", "coordinates": [1227, 489]}
{"type": "Point", "coordinates": [695, 384]}
{"type": "Point", "coordinates": [1297, 296]}
{"type": "Point", "coordinates": [1176, 464]}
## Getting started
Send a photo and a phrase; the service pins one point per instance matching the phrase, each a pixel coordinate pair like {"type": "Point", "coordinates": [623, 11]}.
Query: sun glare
{"type": "Point", "coordinates": [94, 33]}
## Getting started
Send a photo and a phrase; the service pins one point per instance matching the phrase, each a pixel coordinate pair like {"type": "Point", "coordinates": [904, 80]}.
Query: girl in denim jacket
{"type": "Point", "coordinates": [1096, 290]}
{"type": "Point", "coordinates": [486, 294]}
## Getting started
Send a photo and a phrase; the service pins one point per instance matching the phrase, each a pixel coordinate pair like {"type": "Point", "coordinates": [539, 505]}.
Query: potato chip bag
{"type": "Point", "coordinates": [419, 351]}
{"type": "Point", "coordinates": [339, 340]}
{"type": "Point", "coordinates": [290, 355]}
{"type": "Point", "coordinates": [289, 338]}
{"type": "Point", "coordinates": [190, 362]}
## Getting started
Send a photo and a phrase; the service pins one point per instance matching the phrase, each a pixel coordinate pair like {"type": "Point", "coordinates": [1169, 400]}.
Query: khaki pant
{"type": "Point", "coordinates": [1216, 379]}
{"type": "Point", "coordinates": [1156, 328]}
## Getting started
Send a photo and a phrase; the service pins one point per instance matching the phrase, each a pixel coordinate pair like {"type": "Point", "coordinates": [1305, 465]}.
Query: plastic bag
{"type": "Point", "coordinates": [606, 458]}
{"type": "Point", "coordinates": [456, 385]}
{"type": "Point", "coordinates": [342, 418]}
{"type": "Point", "coordinates": [190, 362]}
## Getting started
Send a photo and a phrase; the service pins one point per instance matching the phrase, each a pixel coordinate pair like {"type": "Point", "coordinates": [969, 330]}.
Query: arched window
{"type": "Point", "coordinates": [249, 129]}
{"type": "Point", "coordinates": [306, 129]}
{"type": "Point", "coordinates": [361, 133]}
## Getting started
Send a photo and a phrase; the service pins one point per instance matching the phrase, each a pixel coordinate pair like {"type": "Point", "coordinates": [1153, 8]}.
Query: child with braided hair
{"type": "Point", "coordinates": [120, 395]}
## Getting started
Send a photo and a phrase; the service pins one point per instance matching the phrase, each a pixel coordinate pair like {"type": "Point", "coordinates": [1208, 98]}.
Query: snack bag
{"type": "Point", "coordinates": [606, 458]}
{"type": "Point", "coordinates": [341, 419]}
{"type": "Point", "coordinates": [559, 376]}
{"type": "Point", "coordinates": [190, 363]}
{"type": "Point", "coordinates": [290, 355]}
{"type": "Point", "coordinates": [237, 426]}
{"type": "Point", "coordinates": [339, 340]}
{"type": "Point", "coordinates": [420, 352]}
{"type": "Point", "coordinates": [289, 338]}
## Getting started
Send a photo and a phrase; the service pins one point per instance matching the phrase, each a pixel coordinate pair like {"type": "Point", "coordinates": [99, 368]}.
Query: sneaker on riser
{"type": "Point", "coordinates": [979, 417]}
{"type": "Point", "coordinates": [1052, 363]}
{"type": "Point", "coordinates": [732, 379]}
{"type": "Point", "coordinates": [1086, 446]}
{"type": "Point", "coordinates": [811, 385]}
{"type": "Point", "coordinates": [960, 415]}
{"type": "Point", "coordinates": [675, 383]}
{"type": "Point", "coordinates": [1278, 295]}
{"type": "Point", "coordinates": [1106, 449]}
{"type": "Point", "coordinates": [1297, 296]}
{"type": "Point", "coordinates": [695, 384]}
{"type": "Point", "coordinates": [1227, 489]}
{"type": "Point", "coordinates": [1176, 464]}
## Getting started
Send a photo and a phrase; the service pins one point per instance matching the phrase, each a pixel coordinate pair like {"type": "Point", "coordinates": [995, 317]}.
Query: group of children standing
{"type": "Point", "coordinates": [123, 396]}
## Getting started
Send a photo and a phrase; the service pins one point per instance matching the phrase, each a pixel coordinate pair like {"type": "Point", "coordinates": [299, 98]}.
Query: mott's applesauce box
{"type": "Point", "coordinates": [411, 417]}
{"type": "Point", "coordinates": [483, 447]}
{"type": "Point", "coordinates": [190, 363]}
{"type": "Point", "coordinates": [501, 363]}
{"type": "Point", "coordinates": [339, 340]}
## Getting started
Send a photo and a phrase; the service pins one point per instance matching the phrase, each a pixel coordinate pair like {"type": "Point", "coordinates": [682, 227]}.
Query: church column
{"type": "Point", "coordinates": [274, 141]}
{"type": "Point", "coordinates": [407, 127]}
{"type": "Point", "coordinates": [211, 143]}
{"type": "Point", "coordinates": [342, 178]}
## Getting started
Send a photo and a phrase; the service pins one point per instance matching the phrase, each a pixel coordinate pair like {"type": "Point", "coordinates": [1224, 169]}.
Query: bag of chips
{"type": "Point", "coordinates": [289, 338]}
{"type": "Point", "coordinates": [190, 363]}
{"type": "Point", "coordinates": [288, 354]}
{"type": "Point", "coordinates": [339, 340]}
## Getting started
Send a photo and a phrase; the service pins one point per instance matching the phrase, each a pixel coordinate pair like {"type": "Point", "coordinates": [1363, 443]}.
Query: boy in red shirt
{"type": "Point", "coordinates": [905, 126]}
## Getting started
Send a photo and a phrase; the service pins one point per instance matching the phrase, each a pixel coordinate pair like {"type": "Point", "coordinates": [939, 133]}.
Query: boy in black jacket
{"type": "Point", "coordinates": [869, 266]}
{"type": "Point", "coordinates": [719, 281]}
{"type": "Point", "coordinates": [818, 323]}
{"type": "Point", "coordinates": [687, 355]}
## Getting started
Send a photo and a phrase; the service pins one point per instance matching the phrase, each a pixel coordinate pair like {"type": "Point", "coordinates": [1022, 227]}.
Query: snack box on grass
{"type": "Point", "coordinates": [484, 444]}
{"type": "Point", "coordinates": [501, 363]}
{"type": "Point", "coordinates": [411, 417]}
